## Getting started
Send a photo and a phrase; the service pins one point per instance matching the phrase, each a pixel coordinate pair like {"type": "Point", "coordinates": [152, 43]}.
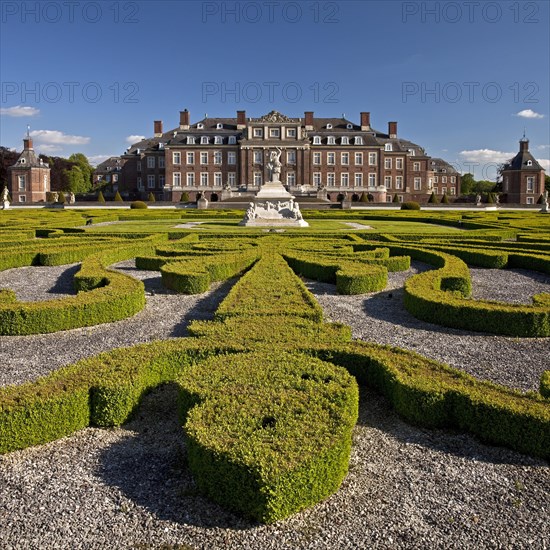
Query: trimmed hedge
{"type": "Point", "coordinates": [268, 434]}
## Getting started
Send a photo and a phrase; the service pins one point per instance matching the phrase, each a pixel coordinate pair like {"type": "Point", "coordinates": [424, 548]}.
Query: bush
{"type": "Point", "coordinates": [151, 197]}
{"type": "Point", "coordinates": [138, 205]}
{"type": "Point", "coordinates": [61, 198]}
{"type": "Point", "coordinates": [445, 199]}
{"type": "Point", "coordinates": [100, 198]}
{"type": "Point", "coordinates": [433, 199]}
{"type": "Point", "coordinates": [410, 205]}
{"type": "Point", "coordinates": [118, 198]}
{"type": "Point", "coordinates": [185, 197]}
{"type": "Point", "coordinates": [395, 198]}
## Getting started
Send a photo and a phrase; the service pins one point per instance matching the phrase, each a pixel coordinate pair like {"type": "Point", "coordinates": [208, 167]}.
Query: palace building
{"type": "Point", "coordinates": [319, 155]}
{"type": "Point", "coordinates": [29, 177]}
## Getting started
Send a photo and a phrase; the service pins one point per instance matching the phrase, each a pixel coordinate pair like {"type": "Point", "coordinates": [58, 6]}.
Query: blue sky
{"type": "Point", "coordinates": [463, 79]}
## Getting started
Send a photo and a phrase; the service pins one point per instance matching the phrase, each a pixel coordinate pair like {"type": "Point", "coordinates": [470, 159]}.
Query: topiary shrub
{"type": "Point", "coordinates": [100, 198]}
{"type": "Point", "coordinates": [445, 199]}
{"type": "Point", "coordinates": [410, 205]}
{"type": "Point", "coordinates": [61, 198]}
{"type": "Point", "coordinates": [433, 199]}
{"type": "Point", "coordinates": [541, 199]}
{"type": "Point", "coordinates": [137, 205]}
{"type": "Point", "coordinates": [364, 197]}
{"type": "Point", "coordinates": [185, 197]}
{"type": "Point", "coordinates": [395, 198]}
{"type": "Point", "coordinates": [151, 197]}
{"type": "Point", "coordinates": [490, 198]}
{"type": "Point", "coordinates": [118, 198]}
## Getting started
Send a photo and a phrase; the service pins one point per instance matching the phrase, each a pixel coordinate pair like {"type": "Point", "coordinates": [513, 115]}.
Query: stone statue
{"type": "Point", "coordinates": [274, 165]}
{"type": "Point", "coordinates": [55, 196]}
{"type": "Point", "coordinates": [250, 212]}
{"type": "Point", "coordinates": [497, 198]}
{"type": "Point", "coordinates": [5, 194]}
{"type": "Point", "coordinates": [72, 198]}
{"type": "Point", "coordinates": [478, 199]}
{"type": "Point", "coordinates": [545, 208]}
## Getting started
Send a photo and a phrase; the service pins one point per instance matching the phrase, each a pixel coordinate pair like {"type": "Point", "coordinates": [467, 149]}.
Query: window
{"type": "Point", "coordinates": [291, 157]}
{"type": "Point", "coordinates": [399, 164]}
{"type": "Point", "coordinates": [291, 179]}
{"type": "Point", "coordinates": [453, 179]}
{"type": "Point", "coordinates": [45, 181]}
{"type": "Point", "coordinates": [317, 158]}
{"type": "Point", "coordinates": [22, 198]}
{"type": "Point", "coordinates": [358, 159]}
{"type": "Point", "coordinates": [349, 126]}
{"type": "Point", "coordinates": [21, 183]}
{"type": "Point", "coordinates": [388, 147]}
{"type": "Point", "coordinates": [176, 158]}
{"type": "Point", "coordinates": [372, 179]}
{"type": "Point", "coordinates": [190, 158]}
{"type": "Point", "coordinates": [204, 178]}
{"type": "Point", "coordinates": [443, 179]}
{"type": "Point", "coordinates": [161, 181]}
{"type": "Point", "coordinates": [231, 157]}
{"type": "Point", "coordinates": [505, 184]}
{"type": "Point", "coordinates": [139, 183]}
{"type": "Point", "coordinates": [291, 132]}
{"type": "Point", "coordinates": [218, 140]}
{"type": "Point", "coordinates": [204, 157]}
{"type": "Point", "coordinates": [317, 179]}
{"type": "Point", "coordinates": [453, 190]}
{"type": "Point", "coordinates": [389, 198]}
{"type": "Point", "coordinates": [530, 200]}
{"type": "Point", "coordinates": [232, 178]}
{"type": "Point", "coordinates": [218, 179]}
{"type": "Point", "coordinates": [400, 198]}
{"type": "Point", "coordinates": [115, 178]}
{"type": "Point", "coordinates": [257, 178]}
{"type": "Point", "coordinates": [436, 179]}
{"type": "Point", "coordinates": [444, 190]}
{"type": "Point", "coordinates": [330, 140]}
{"type": "Point", "coordinates": [358, 140]}
{"type": "Point", "coordinates": [344, 158]}
{"type": "Point", "coordinates": [258, 157]}
{"type": "Point", "coordinates": [331, 158]}
{"type": "Point", "coordinates": [150, 162]}
{"type": "Point", "coordinates": [372, 159]}
{"type": "Point", "coordinates": [138, 167]}
{"type": "Point", "coordinates": [316, 140]}
{"type": "Point", "coordinates": [387, 182]}
{"type": "Point", "coordinates": [258, 132]}
{"type": "Point", "coordinates": [329, 126]}
{"type": "Point", "coordinates": [217, 157]}
{"type": "Point", "coordinates": [344, 180]}
{"type": "Point", "coordinates": [430, 183]}
{"type": "Point", "coordinates": [232, 140]}
{"type": "Point", "coordinates": [219, 126]}
{"type": "Point", "coordinates": [417, 184]}
{"type": "Point", "coordinates": [190, 140]}
{"type": "Point", "coordinates": [387, 163]}
{"type": "Point", "coordinates": [416, 166]}
{"type": "Point", "coordinates": [412, 152]}
{"type": "Point", "coordinates": [191, 179]}
{"type": "Point", "coordinates": [344, 140]}
{"type": "Point", "coordinates": [530, 184]}
{"type": "Point", "coordinates": [358, 179]}
{"type": "Point", "coordinates": [330, 179]}
{"type": "Point", "coordinates": [529, 163]}
{"type": "Point", "coordinates": [161, 162]}
{"type": "Point", "coordinates": [399, 182]}
{"type": "Point", "coordinates": [176, 179]}
{"type": "Point", "coordinates": [274, 132]}
{"type": "Point", "coordinates": [151, 181]}
{"type": "Point", "coordinates": [204, 140]}
{"type": "Point", "coordinates": [22, 161]}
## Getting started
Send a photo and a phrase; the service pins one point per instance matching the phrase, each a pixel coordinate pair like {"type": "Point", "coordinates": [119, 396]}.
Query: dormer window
{"type": "Point", "coordinates": [190, 140]}
{"type": "Point", "coordinates": [218, 140]}
{"type": "Point", "coordinates": [232, 140]}
{"type": "Point", "coordinates": [412, 152]}
{"type": "Point", "coordinates": [345, 140]}
{"type": "Point", "coordinates": [219, 126]}
{"type": "Point", "coordinates": [349, 126]}
{"type": "Point", "coordinates": [204, 140]}
{"type": "Point", "coordinates": [161, 145]}
{"type": "Point", "coordinates": [21, 161]}
{"type": "Point", "coordinates": [358, 140]}
{"type": "Point", "coordinates": [200, 126]}
{"type": "Point", "coordinates": [316, 140]}
{"type": "Point", "coordinates": [330, 140]}
{"type": "Point", "coordinates": [388, 147]}
{"type": "Point", "coordinates": [529, 163]}
{"type": "Point", "coordinates": [329, 126]}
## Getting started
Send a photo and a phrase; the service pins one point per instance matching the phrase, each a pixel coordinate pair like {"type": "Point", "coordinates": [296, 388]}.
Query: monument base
{"type": "Point", "coordinates": [273, 190]}
{"type": "Point", "coordinates": [5, 205]}
{"type": "Point", "coordinates": [285, 213]}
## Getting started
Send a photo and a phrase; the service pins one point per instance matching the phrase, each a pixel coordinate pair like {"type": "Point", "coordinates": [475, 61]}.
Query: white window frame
{"type": "Point", "coordinates": [344, 159]}
{"type": "Point", "coordinates": [344, 179]}
{"type": "Point", "coordinates": [373, 159]}
{"type": "Point", "coordinates": [258, 132]}
{"type": "Point", "coordinates": [358, 159]}
{"type": "Point", "coordinates": [190, 157]}
{"type": "Point", "coordinates": [399, 182]}
{"type": "Point", "coordinates": [218, 182]}
{"type": "Point", "coordinates": [204, 140]}
{"type": "Point", "coordinates": [316, 140]}
{"type": "Point", "coordinates": [274, 132]}
{"type": "Point", "coordinates": [258, 157]}
{"type": "Point", "coordinates": [358, 179]}
{"type": "Point", "coordinates": [331, 158]}
{"type": "Point", "coordinates": [150, 162]}
{"type": "Point", "coordinates": [232, 140]}
{"type": "Point", "coordinates": [151, 181]}
{"type": "Point", "coordinates": [231, 157]}
{"type": "Point", "coordinates": [258, 179]}
{"type": "Point", "coordinates": [331, 179]}
{"type": "Point", "coordinates": [387, 182]}
{"type": "Point", "coordinates": [317, 159]}
{"type": "Point", "coordinates": [190, 179]}
{"type": "Point", "coordinates": [291, 157]}
{"type": "Point", "coordinates": [232, 178]}
{"type": "Point", "coordinates": [388, 163]}
{"type": "Point", "coordinates": [203, 158]}
{"type": "Point", "coordinates": [372, 179]}
{"type": "Point", "coordinates": [22, 183]}
{"type": "Point", "coordinates": [176, 179]}
{"type": "Point", "coordinates": [344, 140]}
{"type": "Point", "coordinates": [388, 147]}
{"type": "Point", "coordinates": [204, 179]}
{"type": "Point", "coordinates": [317, 179]}
{"type": "Point", "coordinates": [417, 183]}
{"type": "Point", "coordinates": [176, 158]}
{"type": "Point", "coordinates": [331, 140]}
{"type": "Point", "coordinates": [358, 140]}
{"type": "Point", "coordinates": [291, 132]}
{"type": "Point", "coordinates": [218, 157]}
{"type": "Point", "coordinates": [291, 179]}
{"type": "Point", "coordinates": [399, 163]}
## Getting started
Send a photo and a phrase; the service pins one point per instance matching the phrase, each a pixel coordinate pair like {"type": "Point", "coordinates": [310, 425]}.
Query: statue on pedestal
{"type": "Point", "coordinates": [5, 198]}
{"type": "Point", "coordinates": [274, 165]}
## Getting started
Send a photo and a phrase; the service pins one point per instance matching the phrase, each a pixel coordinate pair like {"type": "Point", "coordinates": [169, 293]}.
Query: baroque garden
{"type": "Point", "coordinates": [269, 390]}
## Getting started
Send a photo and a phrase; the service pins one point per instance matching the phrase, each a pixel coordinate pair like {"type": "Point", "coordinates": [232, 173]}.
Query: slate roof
{"type": "Point", "coordinates": [440, 165]}
{"type": "Point", "coordinates": [519, 162]}
{"type": "Point", "coordinates": [29, 159]}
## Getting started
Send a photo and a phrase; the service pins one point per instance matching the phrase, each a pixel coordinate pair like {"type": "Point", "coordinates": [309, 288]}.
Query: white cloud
{"type": "Point", "coordinates": [46, 149]}
{"type": "Point", "coordinates": [529, 113]}
{"type": "Point", "coordinates": [55, 137]}
{"type": "Point", "coordinates": [134, 139]}
{"type": "Point", "coordinates": [543, 147]}
{"type": "Point", "coordinates": [545, 163]}
{"type": "Point", "coordinates": [19, 111]}
{"type": "Point", "coordinates": [483, 156]}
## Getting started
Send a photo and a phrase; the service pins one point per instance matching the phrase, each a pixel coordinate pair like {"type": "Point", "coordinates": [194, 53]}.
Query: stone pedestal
{"type": "Point", "coordinates": [544, 209]}
{"type": "Point", "coordinates": [202, 204]}
{"type": "Point", "coordinates": [5, 205]}
{"type": "Point", "coordinates": [226, 194]}
{"type": "Point", "coordinates": [273, 190]}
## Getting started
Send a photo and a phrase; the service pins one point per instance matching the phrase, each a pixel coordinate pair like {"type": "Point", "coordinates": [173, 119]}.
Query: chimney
{"type": "Point", "coordinates": [184, 120]}
{"type": "Point", "coordinates": [524, 145]}
{"type": "Point", "coordinates": [241, 120]}
{"type": "Point", "coordinates": [392, 129]}
{"type": "Point", "coordinates": [157, 128]}
{"type": "Point", "coordinates": [27, 143]}
{"type": "Point", "coordinates": [365, 121]}
{"type": "Point", "coordinates": [308, 120]}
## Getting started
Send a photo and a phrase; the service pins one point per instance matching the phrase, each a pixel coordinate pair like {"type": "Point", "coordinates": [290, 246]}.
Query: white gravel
{"type": "Point", "coordinates": [407, 487]}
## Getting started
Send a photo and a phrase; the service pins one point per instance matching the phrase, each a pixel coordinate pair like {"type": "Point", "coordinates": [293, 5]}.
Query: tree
{"type": "Point", "coordinates": [547, 183]}
{"type": "Point", "coordinates": [433, 198]}
{"type": "Point", "coordinates": [467, 184]}
{"type": "Point", "coordinates": [395, 198]}
{"type": "Point", "coordinates": [184, 197]}
{"type": "Point", "coordinates": [118, 198]}
{"type": "Point", "coordinates": [100, 198]}
{"type": "Point", "coordinates": [74, 180]}
{"type": "Point", "coordinates": [151, 197]}
{"type": "Point", "coordinates": [80, 160]}
{"type": "Point", "coordinates": [444, 199]}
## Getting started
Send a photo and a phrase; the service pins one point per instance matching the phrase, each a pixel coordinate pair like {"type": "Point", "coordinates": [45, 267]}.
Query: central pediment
{"type": "Point", "coordinates": [274, 116]}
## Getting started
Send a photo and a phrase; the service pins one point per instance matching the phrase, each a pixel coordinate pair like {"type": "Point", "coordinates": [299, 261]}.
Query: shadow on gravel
{"type": "Point", "coordinates": [150, 467]}
{"type": "Point", "coordinates": [65, 282]}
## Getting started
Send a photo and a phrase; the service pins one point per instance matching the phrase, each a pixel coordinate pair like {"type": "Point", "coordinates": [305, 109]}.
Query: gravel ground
{"type": "Point", "coordinates": [407, 487]}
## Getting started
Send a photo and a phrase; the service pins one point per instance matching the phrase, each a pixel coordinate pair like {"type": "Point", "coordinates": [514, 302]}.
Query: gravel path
{"type": "Point", "coordinates": [407, 487]}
